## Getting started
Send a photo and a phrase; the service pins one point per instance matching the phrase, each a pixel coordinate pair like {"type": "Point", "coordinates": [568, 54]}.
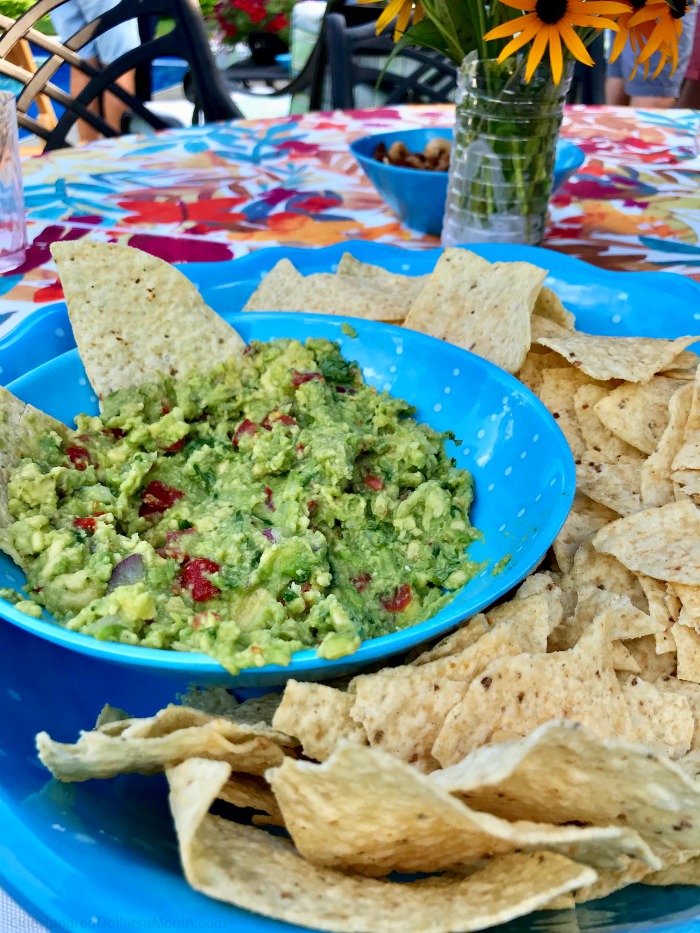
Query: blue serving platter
{"type": "Point", "coordinates": [102, 855]}
{"type": "Point", "coordinates": [418, 195]}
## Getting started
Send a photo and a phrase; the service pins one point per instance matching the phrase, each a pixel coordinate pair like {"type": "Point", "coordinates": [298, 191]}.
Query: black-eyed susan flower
{"type": "Point", "coordinates": [665, 16]}
{"type": "Point", "coordinates": [548, 23]}
{"type": "Point", "coordinates": [635, 35]}
{"type": "Point", "coordinates": [401, 11]}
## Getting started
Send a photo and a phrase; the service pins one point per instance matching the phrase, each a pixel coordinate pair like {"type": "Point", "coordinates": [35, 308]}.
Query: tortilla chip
{"type": "Point", "coordinates": [686, 873]}
{"type": "Point", "coordinates": [687, 642]}
{"type": "Point", "coordinates": [325, 293]}
{"type": "Point", "coordinates": [634, 359]}
{"type": "Point", "coordinates": [319, 716]}
{"type": "Point", "coordinates": [515, 695]}
{"type": "Point", "coordinates": [663, 543]}
{"type": "Point", "coordinates": [557, 393]}
{"type": "Point", "coordinates": [21, 428]}
{"type": "Point", "coordinates": [548, 605]}
{"type": "Point", "coordinates": [663, 721]}
{"type": "Point", "coordinates": [625, 621]}
{"type": "Point", "coordinates": [251, 792]}
{"type": "Point", "coordinates": [621, 616]}
{"type": "Point", "coordinates": [638, 413]}
{"type": "Point", "coordinates": [684, 366]}
{"type": "Point", "coordinates": [358, 290]}
{"type": "Point", "coordinates": [364, 273]}
{"type": "Point", "coordinates": [482, 307]}
{"type": "Point", "coordinates": [610, 880]}
{"type": "Point", "coordinates": [403, 709]}
{"type": "Point", "coordinates": [607, 573]}
{"type": "Point", "coordinates": [596, 435]}
{"type": "Point", "coordinates": [656, 482]}
{"type": "Point", "coordinates": [366, 812]}
{"type": "Point", "coordinates": [281, 289]}
{"type": "Point", "coordinates": [536, 362]}
{"type": "Point", "coordinates": [218, 701]}
{"type": "Point", "coordinates": [563, 772]}
{"type": "Point", "coordinates": [256, 871]}
{"type": "Point", "coordinates": [136, 318]}
{"type": "Point", "coordinates": [615, 485]}
{"type": "Point", "coordinates": [112, 718]}
{"type": "Point", "coordinates": [150, 745]}
{"type": "Point", "coordinates": [689, 597]}
{"type": "Point", "coordinates": [623, 660]}
{"type": "Point", "coordinates": [655, 593]}
{"type": "Point", "coordinates": [691, 691]}
{"type": "Point", "coordinates": [463, 637]}
{"type": "Point", "coordinates": [686, 485]}
{"type": "Point", "coordinates": [543, 327]}
{"type": "Point", "coordinates": [585, 518]}
{"type": "Point", "coordinates": [543, 581]}
{"type": "Point", "coordinates": [688, 457]}
{"type": "Point", "coordinates": [672, 602]}
{"type": "Point", "coordinates": [651, 665]}
{"type": "Point", "coordinates": [569, 594]}
{"type": "Point", "coordinates": [549, 306]}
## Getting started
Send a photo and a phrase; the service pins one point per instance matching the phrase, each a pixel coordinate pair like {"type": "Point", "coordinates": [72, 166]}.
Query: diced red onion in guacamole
{"type": "Point", "coordinates": [127, 571]}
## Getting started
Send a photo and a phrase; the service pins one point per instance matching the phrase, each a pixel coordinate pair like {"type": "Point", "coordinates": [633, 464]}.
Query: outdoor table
{"type": "Point", "coordinates": [220, 191]}
{"type": "Point", "coordinates": [217, 192]}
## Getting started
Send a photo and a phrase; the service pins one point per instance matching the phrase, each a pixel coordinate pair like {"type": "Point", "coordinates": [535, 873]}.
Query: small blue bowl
{"type": "Point", "coordinates": [521, 463]}
{"type": "Point", "coordinates": [417, 195]}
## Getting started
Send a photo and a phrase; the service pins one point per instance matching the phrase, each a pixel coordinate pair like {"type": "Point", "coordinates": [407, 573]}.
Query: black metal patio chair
{"type": "Point", "coordinates": [186, 40]}
{"type": "Point", "coordinates": [357, 58]}
{"type": "Point", "coordinates": [314, 78]}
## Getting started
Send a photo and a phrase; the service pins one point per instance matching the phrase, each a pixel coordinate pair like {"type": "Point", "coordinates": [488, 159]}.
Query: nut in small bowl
{"type": "Point", "coordinates": [435, 156]}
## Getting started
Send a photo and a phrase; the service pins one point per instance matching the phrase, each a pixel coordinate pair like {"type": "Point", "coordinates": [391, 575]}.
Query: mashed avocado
{"type": "Point", "coordinates": [246, 513]}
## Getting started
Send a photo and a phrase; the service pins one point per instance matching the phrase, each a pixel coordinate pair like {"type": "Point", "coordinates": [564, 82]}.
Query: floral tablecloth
{"type": "Point", "coordinates": [219, 191]}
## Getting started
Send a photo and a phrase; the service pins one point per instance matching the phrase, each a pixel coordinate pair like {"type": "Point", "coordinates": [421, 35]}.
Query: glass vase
{"type": "Point", "coordinates": [502, 162]}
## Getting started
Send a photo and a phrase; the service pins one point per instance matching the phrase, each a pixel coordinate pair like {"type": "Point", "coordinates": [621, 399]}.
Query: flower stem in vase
{"type": "Point", "coordinates": [502, 164]}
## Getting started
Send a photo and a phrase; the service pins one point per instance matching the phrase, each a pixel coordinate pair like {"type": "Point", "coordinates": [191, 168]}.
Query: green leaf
{"type": "Point", "coordinates": [463, 22]}
{"type": "Point", "coordinates": [433, 33]}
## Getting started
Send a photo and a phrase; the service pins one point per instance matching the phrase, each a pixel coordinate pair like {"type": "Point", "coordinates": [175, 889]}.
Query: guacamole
{"type": "Point", "coordinates": [247, 512]}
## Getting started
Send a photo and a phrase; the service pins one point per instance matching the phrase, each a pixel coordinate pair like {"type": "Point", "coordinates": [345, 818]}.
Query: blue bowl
{"type": "Point", "coordinates": [417, 195]}
{"type": "Point", "coordinates": [521, 463]}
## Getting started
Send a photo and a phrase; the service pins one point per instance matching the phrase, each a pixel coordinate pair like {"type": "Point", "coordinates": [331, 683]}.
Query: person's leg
{"type": "Point", "coordinates": [646, 103]}
{"type": "Point", "coordinates": [111, 45]}
{"type": "Point", "coordinates": [78, 81]}
{"type": "Point", "coordinates": [690, 95]}
{"type": "Point", "coordinates": [615, 93]}
{"type": "Point", "coordinates": [114, 109]}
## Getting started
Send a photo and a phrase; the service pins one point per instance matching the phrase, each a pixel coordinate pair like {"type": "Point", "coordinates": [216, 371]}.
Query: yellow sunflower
{"type": "Point", "coordinates": [551, 22]}
{"type": "Point", "coordinates": [401, 10]}
{"type": "Point", "coordinates": [665, 16]}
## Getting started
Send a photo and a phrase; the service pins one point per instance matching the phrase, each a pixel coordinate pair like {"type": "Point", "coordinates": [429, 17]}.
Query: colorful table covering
{"type": "Point", "coordinates": [219, 191]}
